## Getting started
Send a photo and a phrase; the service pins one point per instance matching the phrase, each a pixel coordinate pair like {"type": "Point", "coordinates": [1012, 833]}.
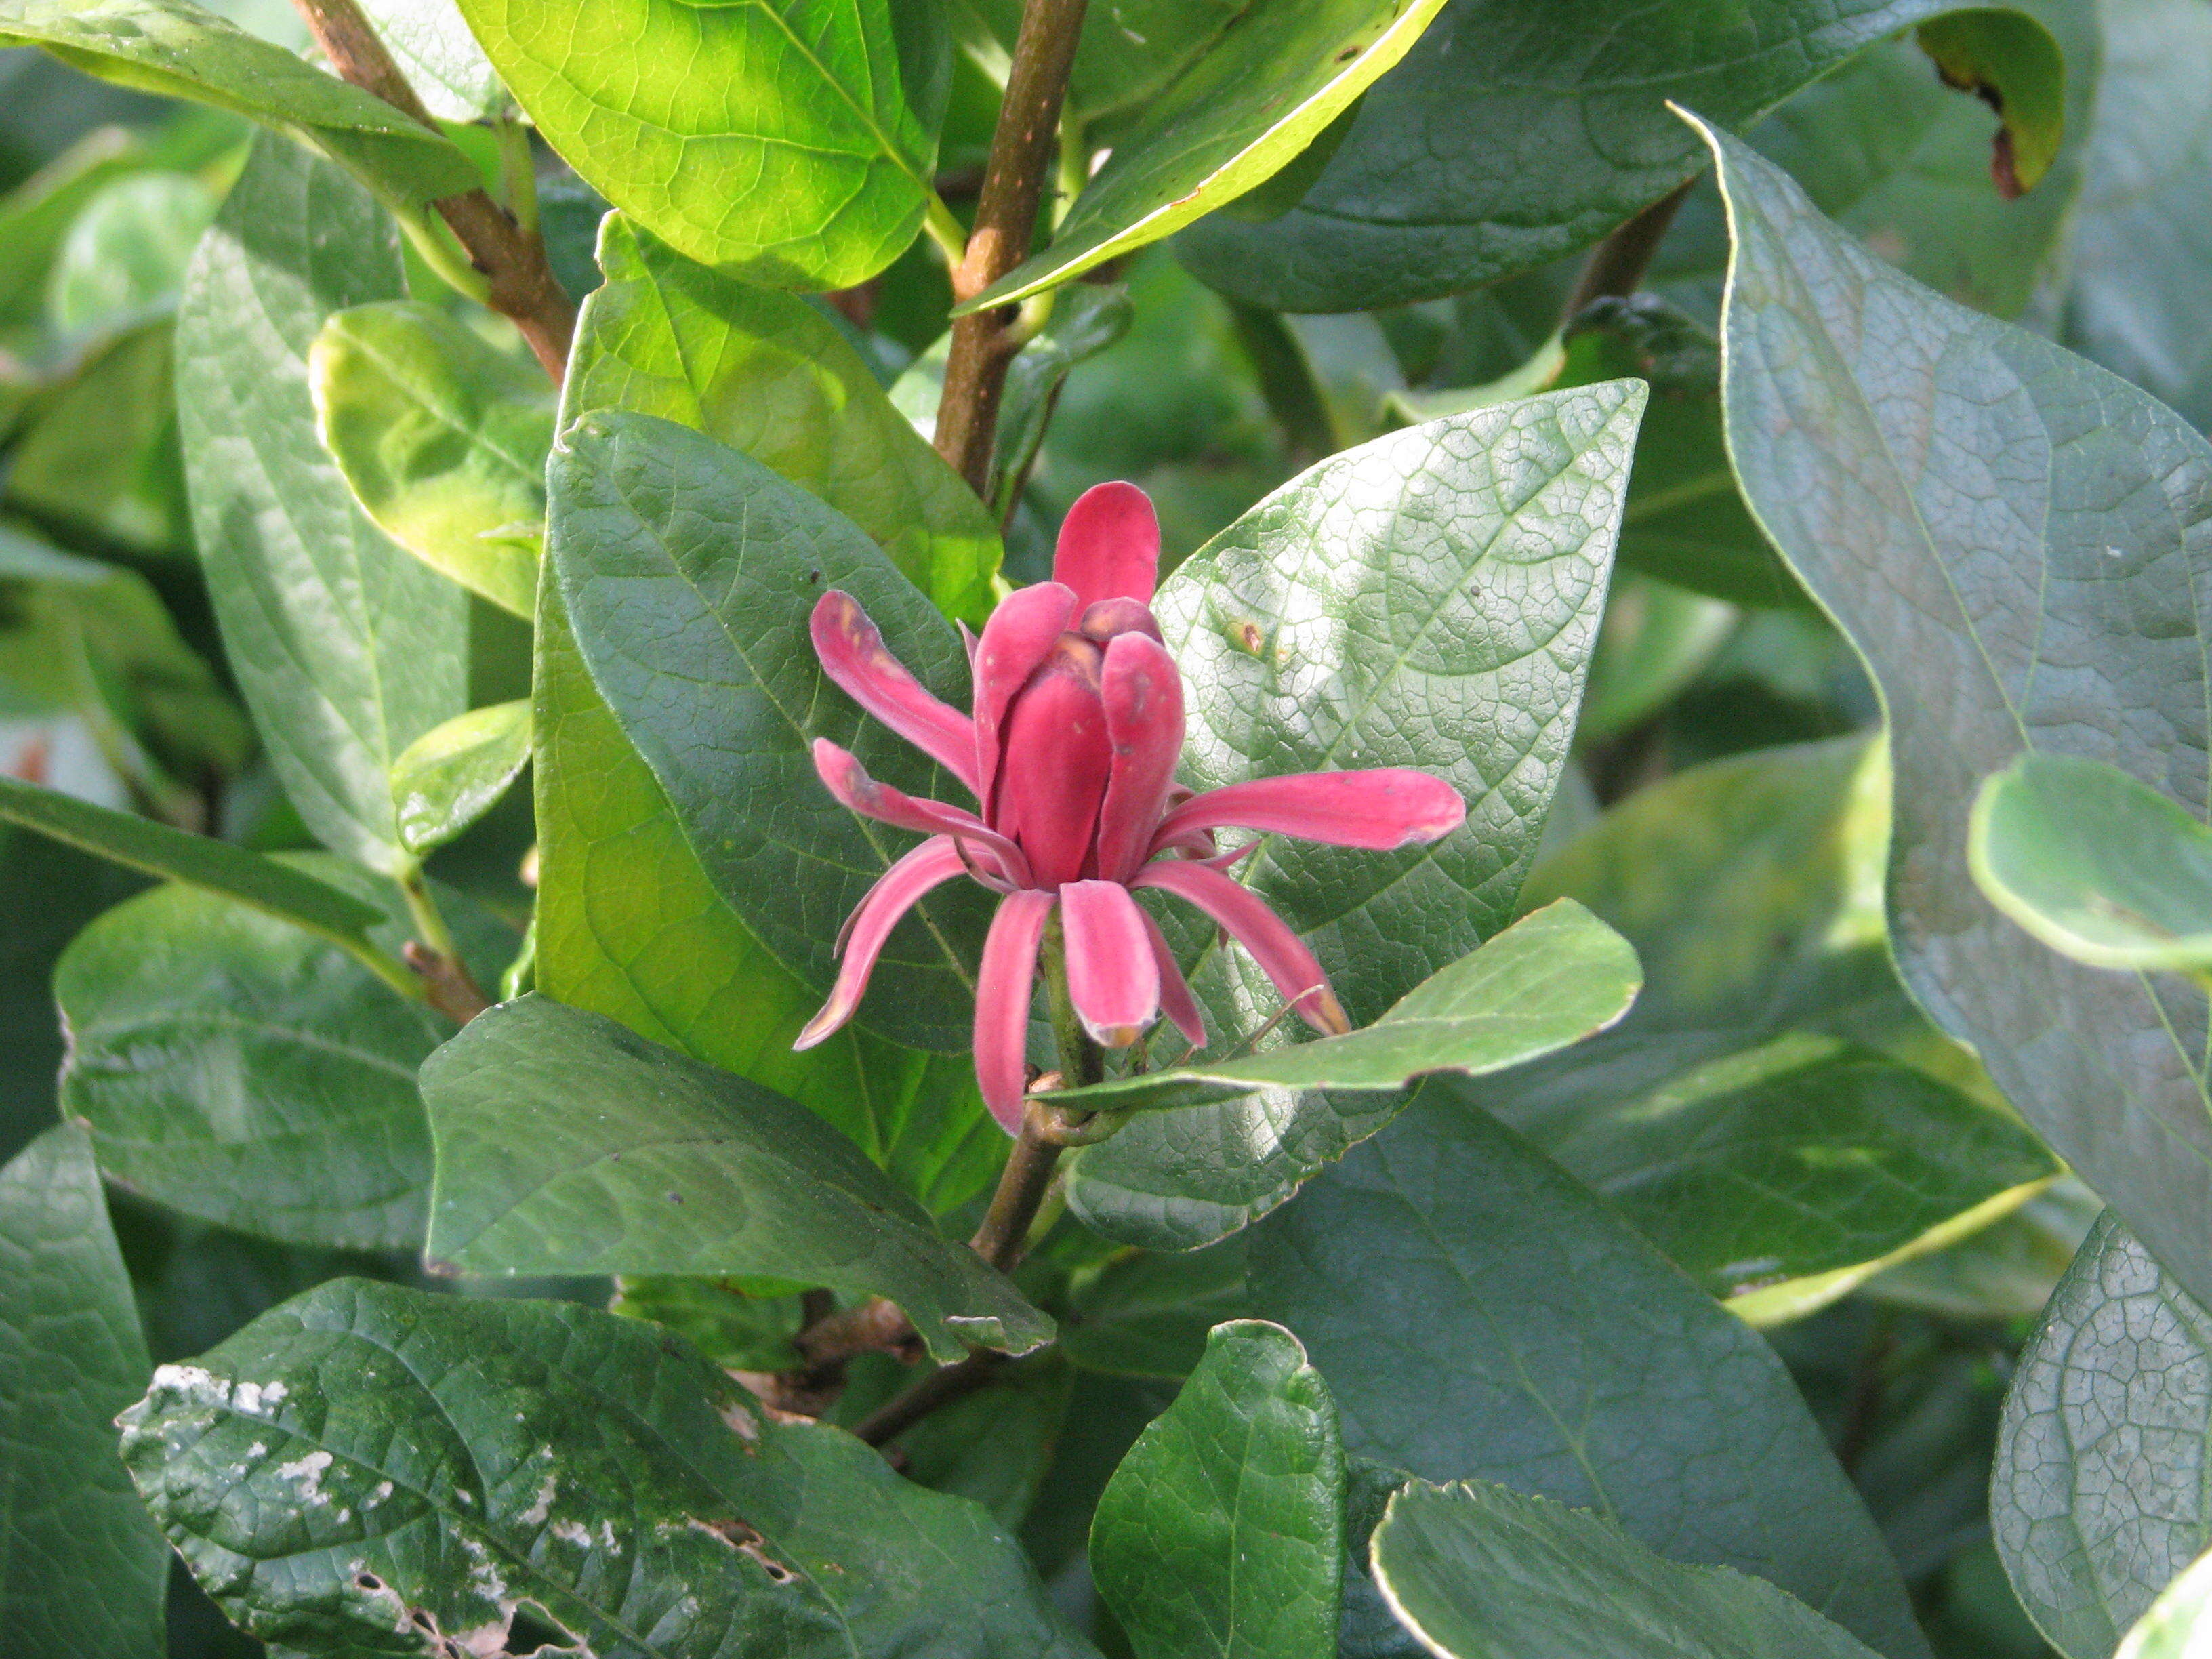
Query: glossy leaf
{"type": "Point", "coordinates": [1509, 138]}
{"type": "Point", "coordinates": [443, 439]}
{"type": "Point", "coordinates": [454, 774]}
{"type": "Point", "coordinates": [1357, 617]}
{"type": "Point", "coordinates": [1558, 1353]}
{"type": "Point", "coordinates": [367, 1467]}
{"type": "Point", "coordinates": [1549, 980]}
{"type": "Point", "coordinates": [2174, 1627]}
{"type": "Point", "coordinates": [1222, 1532]}
{"type": "Point", "coordinates": [2097, 866]}
{"type": "Point", "coordinates": [640, 1161]}
{"type": "Point", "coordinates": [775, 140]}
{"type": "Point", "coordinates": [2025, 582]}
{"type": "Point", "coordinates": [2098, 1498]}
{"type": "Point", "coordinates": [1241, 111]}
{"type": "Point", "coordinates": [689, 572]}
{"type": "Point", "coordinates": [81, 1571]}
{"type": "Point", "coordinates": [1479, 1571]}
{"type": "Point", "coordinates": [771, 375]}
{"type": "Point", "coordinates": [346, 648]}
{"type": "Point", "coordinates": [177, 49]}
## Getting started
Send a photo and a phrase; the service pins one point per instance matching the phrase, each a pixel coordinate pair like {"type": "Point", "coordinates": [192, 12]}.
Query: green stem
{"type": "Point", "coordinates": [518, 175]}
{"type": "Point", "coordinates": [944, 230]}
{"type": "Point", "coordinates": [429, 921]}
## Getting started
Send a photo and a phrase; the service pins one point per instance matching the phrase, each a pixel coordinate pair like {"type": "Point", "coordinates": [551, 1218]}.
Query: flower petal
{"type": "Point", "coordinates": [1143, 694]}
{"type": "Point", "coordinates": [1113, 977]}
{"type": "Point", "coordinates": [1056, 764]}
{"type": "Point", "coordinates": [1109, 545]}
{"type": "Point", "coordinates": [1281, 954]}
{"type": "Point", "coordinates": [853, 655]}
{"type": "Point", "coordinates": [849, 781]}
{"type": "Point", "coordinates": [1176, 1001]}
{"type": "Point", "coordinates": [1383, 807]}
{"type": "Point", "coordinates": [933, 863]}
{"type": "Point", "coordinates": [1110, 619]}
{"type": "Point", "coordinates": [1019, 635]}
{"type": "Point", "coordinates": [1002, 1003]}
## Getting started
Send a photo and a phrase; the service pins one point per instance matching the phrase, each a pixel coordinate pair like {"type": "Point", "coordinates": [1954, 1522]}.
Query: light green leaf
{"type": "Point", "coordinates": [181, 51]}
{"type": "Point", "coordinates": [433, 49]}
{"type": "Point", "coordinates": [1549, 980]}
{"type": "Point", "coordinates": [640, 1161]}
{"type": "Point", "coordinates": [125, 253]}
{"type": "Point", "coordinates": [768, 374]}
{"type": "Point", "coordinates": [2097, 1499]}
{"type": "Point", "coordinates": [774, 139]}
{"type": "Point", "coordinates": [373, 1469]}
{"type": "Point", "coordinates": [98, 450]}
{"type": "Point", "coordinates": [454, 774]}
{"type": "Point", "coordinates": [2009, 59]}
{"type": "Point", "coordinates": [689, 572]}
{"type": "Point", "coordinates": [2174, 1627]}
{"type": "Point", "coordinates": [1357, 617]}
{"type": "Point", "coordinates": [2064, 622]}
{"type": "Point", "coordinates": [1534, 1338]}
{"type": "Point", "coordinates": [1656, 640]}
{"type": "Point", "coordinates": [81, 1571]}
{"type": "Point", "coordinates": [1479, 1571]}
{"type": "Point", "coordinates": [2097, 866]}
{"type": "Point", "coordinates": [442, 438]}
{"type": "Point", "coordinates": [346, 647]}
{"type": "Point", "coordinates": [1221, 1534]}
{"type": "Point", "coordinates": [1240, 111]}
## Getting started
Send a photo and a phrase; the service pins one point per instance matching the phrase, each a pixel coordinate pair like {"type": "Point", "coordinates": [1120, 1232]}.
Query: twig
{"type": "Point", "coordinates": [1025, 154]}
{"type": "Point", "coordinates": [446, 986]}
{"type": "Point", "coordinates": [940, 1387]}
{"type": "Point", "coordinates": [520, 284]}
{"type": "Point", "coordinates": [1617, 264]}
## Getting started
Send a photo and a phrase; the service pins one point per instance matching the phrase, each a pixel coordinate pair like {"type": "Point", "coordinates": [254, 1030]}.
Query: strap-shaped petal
{"type": "Point", "coordinates": [1109, 545]}
{"type": "Point", "coordinates": [849, 781]}
{"type": "Point", "coordinates": [1143, 694]}
{"type": "Point", "coordinates": [1003, 984]}
{"type": "Point", "coordinates": [1018, 636]}
{"type": "Point", "coordinates": [1281, 954]}
{"type": "Point", "coordinates": [936, 861]}
{"type": "Point", "coordinates": [853, 654]}
{"type": "Point", "coordinates": [1113, 977]}
{"type": "Point", "coordinates": [1056, 764]}
{"type": "Point", "coordinates": [1378, 809]}
{"type": "Point", "coordinates": [1176, 1002]}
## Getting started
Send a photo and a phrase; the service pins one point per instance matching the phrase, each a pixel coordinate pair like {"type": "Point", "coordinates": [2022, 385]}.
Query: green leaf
{"type": "Point", "coordinates": [366, 1460]}
{"type": "Point", "coordinates": [1127, 53]}
{"type": "Point", "coordinates": [1510, 138]}
{"type": "Point", "coordinates": [2097, 866]}
{"type": "Point", "coordinates": [729, 1322]}
{"type": "Point", "coordinates": [441, 60]}
{"type": "Point", "coordinates": [1556, 1351]}
{"type": "Point", "coordinates": [1353, 619]}
{"type": "Point", "coordinates": [442, 438]}
{"type": "Point", "coordinates": [769, 374]}
{"type": "Point", "coordinates": [1552, 979]}
{"type": "Point", "coordinates": [1479, 1571]}
{"type": "Point", "coordinates": [235, 1068]}
{"type": "Point", "coordinates": [2064, 624]}
{"type": "Point", "coordinates": [995, 1446]}
{"type": "Point", "coordinates": [1221, 1536]}
{"type": "Point", "coordinates": [454, 774]}
{"type": "Point", "coordinates": [640, 1161]}
{"type": "Point", "coordinates": [772, 139]}
{"type": "Point", "coordinates": [81, 1569]}
{"type": "Point", "coordinates": [1657, 640]}
{"type": "Point", "coordinates": [181, 51]}
{"type": "Point", "coordinates": [1146, 1314]}
{"type": "Point", "coordinates": [2012, 61]}
{"type": "Point", "coordinates": [99, 452]}
{"type": "Point", "coordinates": [689, 571]}
{"type": "Point", "coordinates": [125, 253]}
{"type": "Point", "coordinates": [346, 648]}
{"type": "Point", "coordinates": [1240, 111]}
{"type": "Point", "coordinates": [2173, 1627]}
{"type": "Point", "coordinates": [2096, 1501]}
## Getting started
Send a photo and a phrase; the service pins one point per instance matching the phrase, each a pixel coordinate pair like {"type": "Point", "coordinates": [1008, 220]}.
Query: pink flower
{"type": "Point", "coordinates": [1071, 753]}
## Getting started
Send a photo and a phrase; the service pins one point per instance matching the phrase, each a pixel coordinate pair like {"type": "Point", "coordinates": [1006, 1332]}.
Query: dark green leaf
{"type": "Point", "coordinates": [346, 647]}
{"type": "Point", "coordinates": [1147, 1315]}
{"type": "Point", "coordinates": [2027, 581]}
{"type": "Point", "coordinates": [2096, 1500]}
{"type": "Point", "coordinates": [772, 139]}
{"type": "Point", "coordinates": [689, 571]}
{"type": "Point", "coordinates": [81, 1571]}
{"type": "Point", "coordinates": [731, 1324]}
{"type": "Point", "coordinates": [1221, 1536]}
{"type": "Point", "coordinates": [641, 1161]}
{"type": "Point", "coordinates": [1512, 135]}
{"type": "Point", "coordinates": [1552, 979]}
{"type": "Point", "coordinates": [1240, 111]}
{"type": "Point", "coordinates": [1128, 51]}
{"type": "Point", "coordinates": [1480, 1315]}
{"type": "Point", "coordinates": [454, 774]}
{"type": "Point", "coordinates": [769, 374]}
{"type": "Point", "coordinates": [996, 1445]}
{"type": "Point", "coordinates": [443, 439]}
{"type": "Point", "coordinates": [369, 1469]}
{"type": "Point", "coordinates": [1482, 1572]}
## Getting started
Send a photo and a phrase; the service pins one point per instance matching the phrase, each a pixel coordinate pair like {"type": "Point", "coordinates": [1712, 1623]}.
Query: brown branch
{"type": "Point", "coordinates": [940, 1387]}
{"type": "Point", "coordinates": [512, 260]}
{"type": "Point", "coordinates": [1616, 266]}
{"type": "Point", "coordinates": [1025, 153]}
{"type": "Point", "coordinates": [447, 984]}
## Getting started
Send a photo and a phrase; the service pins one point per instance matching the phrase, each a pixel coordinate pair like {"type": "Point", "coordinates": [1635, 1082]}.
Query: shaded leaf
{"type": "Point", "coordinates": [1146, 1314]}
{"type": "Point", "coordinates": [454, 774]}
{"type": "Point", "coordinates": [2011, 62]}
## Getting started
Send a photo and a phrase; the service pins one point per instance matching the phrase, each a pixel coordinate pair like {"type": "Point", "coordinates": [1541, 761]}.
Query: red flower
{"type": "Point", "coordinates": [1070, 752]}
